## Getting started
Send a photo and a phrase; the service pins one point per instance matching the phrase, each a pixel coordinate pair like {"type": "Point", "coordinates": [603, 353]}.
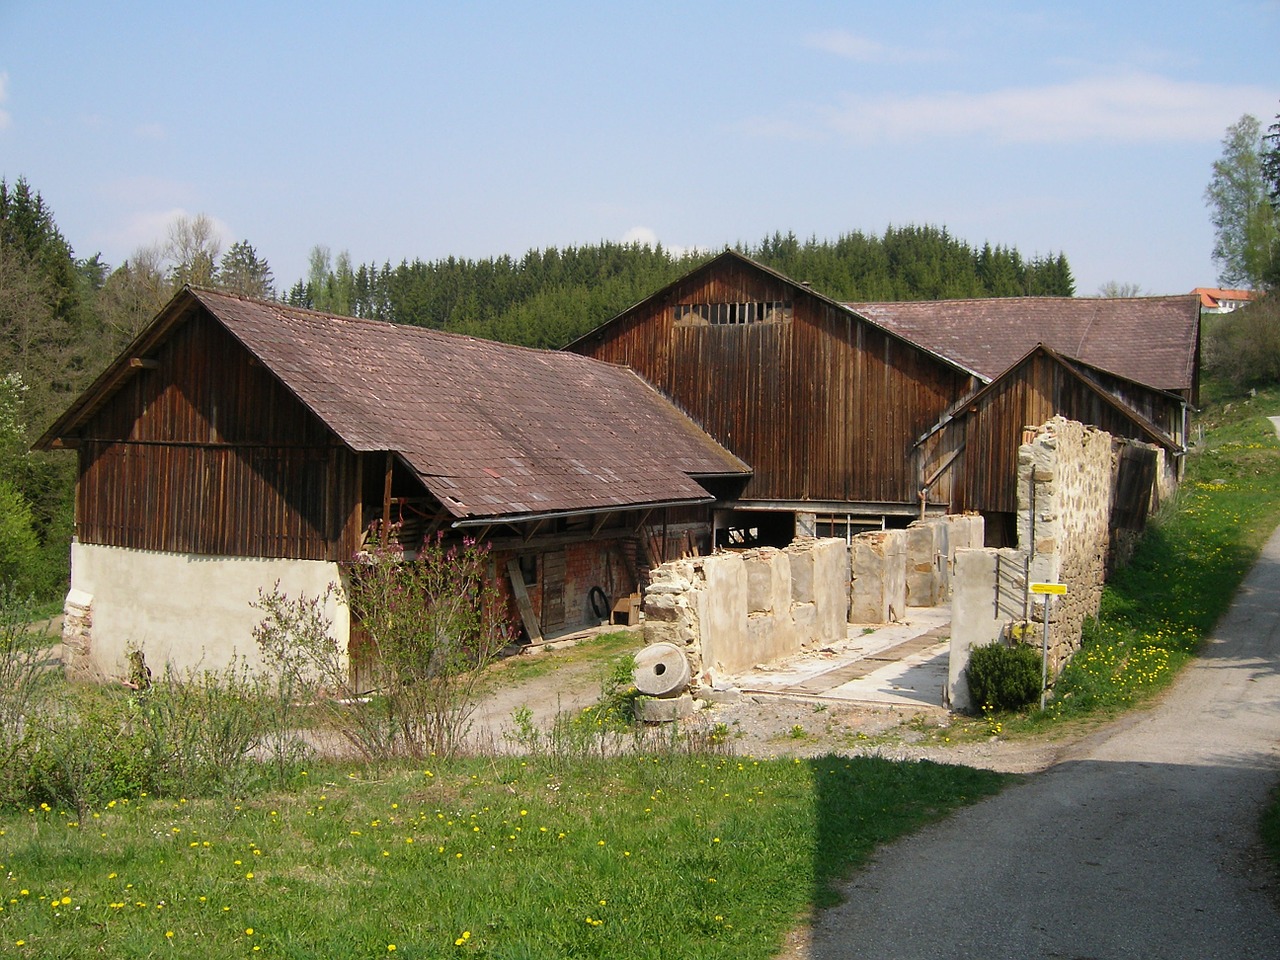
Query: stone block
{"type": "Point", "coordinates": [723, 609]}
{"type": "Point", "coordinates": [878, 576]}
{"type": "Point", "coordinates": [988, 592]}
{"type": "Point", "coordinates": [830, 589]}
{"type": "Point", "coordinates": [923, 558]}
{"type": "Point", "coordinates": [768, 580]}
{"type": "Point", "coordinates": [653, 710]}
{"type": "Point", "coordinates": [800, 553]}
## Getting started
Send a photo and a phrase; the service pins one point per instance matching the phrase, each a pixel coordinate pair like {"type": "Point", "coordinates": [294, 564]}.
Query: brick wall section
{"type": "Point", "coordinates": [602, 563]}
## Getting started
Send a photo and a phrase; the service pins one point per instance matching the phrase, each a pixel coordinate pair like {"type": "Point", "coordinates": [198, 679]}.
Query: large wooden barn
{"type": "Point", "coordinates": [237, 443]}
{"type": "Point", "coordinates": [870, 414]}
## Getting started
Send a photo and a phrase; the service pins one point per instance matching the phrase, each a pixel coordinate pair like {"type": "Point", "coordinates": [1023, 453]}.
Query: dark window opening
{"type": "Point", "coordinates": [726, 314]}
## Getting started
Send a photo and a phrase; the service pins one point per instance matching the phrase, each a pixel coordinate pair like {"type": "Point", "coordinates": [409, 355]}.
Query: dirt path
{"type": "Point", "coordinates": [1140, 843]}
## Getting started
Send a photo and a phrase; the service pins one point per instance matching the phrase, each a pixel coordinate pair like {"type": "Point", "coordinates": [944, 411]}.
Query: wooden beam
{"type": "Point", "coordinates": [599, 524]}
{"type": "Point", "coordinates": [527, 616]}
{"type": "Point", "coordinates": [144, 363]}
{"type": "Point", "coordinates": [386, 498]}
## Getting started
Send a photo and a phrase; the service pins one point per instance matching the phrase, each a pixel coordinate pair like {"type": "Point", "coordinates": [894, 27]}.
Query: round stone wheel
{"type": "Point", "coordinates": [662, 670]}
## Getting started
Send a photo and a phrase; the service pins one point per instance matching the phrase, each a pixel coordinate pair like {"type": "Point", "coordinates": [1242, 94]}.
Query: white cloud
{"type": "Point", "coordinates": [5, 117]}
{"type": "Point", "coordinates": [646, 236]}
{"type": "Point", "coordinates": [1129, 107]}
{"type": "Point", "coordinates": [852, 46]}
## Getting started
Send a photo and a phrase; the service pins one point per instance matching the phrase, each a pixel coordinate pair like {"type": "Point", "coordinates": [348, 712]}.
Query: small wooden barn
{"type": "Point", "coordinates": [237, 443]}
{"type": "Point", "coordinates": [877, 413]}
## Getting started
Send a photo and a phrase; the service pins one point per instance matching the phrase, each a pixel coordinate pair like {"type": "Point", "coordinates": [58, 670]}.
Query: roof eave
{"type": "Point", "coordinates": [480, 521]}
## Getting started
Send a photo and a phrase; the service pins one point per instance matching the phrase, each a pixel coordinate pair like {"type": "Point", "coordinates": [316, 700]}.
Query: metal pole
{"type": "Point", "coordinates": [1044, 649]}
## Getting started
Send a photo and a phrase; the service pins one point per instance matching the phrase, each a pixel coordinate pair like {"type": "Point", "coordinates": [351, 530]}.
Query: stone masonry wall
{"type": "Point", "coordinates": [1066, 489]}
{"type": "Point", "coordinates": [1065, 493]}
{"type": "Point", "coordinates": [730, 611]}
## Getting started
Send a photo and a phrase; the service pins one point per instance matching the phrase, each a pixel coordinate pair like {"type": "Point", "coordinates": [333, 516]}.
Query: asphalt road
{"type": "Point", "coordinates": [1142, 843]}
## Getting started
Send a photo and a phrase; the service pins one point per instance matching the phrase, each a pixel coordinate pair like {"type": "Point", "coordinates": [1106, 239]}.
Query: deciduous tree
{"type": "Point", "coordinates": [1244, 221]}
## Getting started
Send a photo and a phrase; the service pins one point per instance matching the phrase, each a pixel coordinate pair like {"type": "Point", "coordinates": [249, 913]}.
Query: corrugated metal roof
{"type": "Point", "coordinates": [491, 429]}
{"type": "Point", "coordinates": [1149, 340]}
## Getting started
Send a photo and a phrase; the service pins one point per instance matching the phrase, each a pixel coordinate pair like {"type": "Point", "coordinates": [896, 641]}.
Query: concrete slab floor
{"type": "Point", "coordinates": [892, 664]}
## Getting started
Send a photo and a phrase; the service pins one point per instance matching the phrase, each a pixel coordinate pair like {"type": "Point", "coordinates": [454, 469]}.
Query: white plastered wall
{"type": "Point", "coordinates": [182, 610]}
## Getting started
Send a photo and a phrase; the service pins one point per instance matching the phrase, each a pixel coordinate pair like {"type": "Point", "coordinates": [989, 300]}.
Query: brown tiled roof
{"type": "Point", "coordinates": [1150, 340]}
{"type": "Point", "coordinates": [492, 430]}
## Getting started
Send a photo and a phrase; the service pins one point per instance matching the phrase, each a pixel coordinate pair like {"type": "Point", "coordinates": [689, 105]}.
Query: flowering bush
{"type": "Point", "coordinates": [433, 620]}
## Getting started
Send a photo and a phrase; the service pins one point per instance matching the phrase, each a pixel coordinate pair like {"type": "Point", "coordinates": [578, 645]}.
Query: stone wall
{"type": "Point", "coordinates": [1065, 493]}
{"type": "Point", "coordinates": [990, 594]}
{"type": "Point", "coordinates": [730, 611]}
{"type": "Point", "coordinates": [1066, 490]}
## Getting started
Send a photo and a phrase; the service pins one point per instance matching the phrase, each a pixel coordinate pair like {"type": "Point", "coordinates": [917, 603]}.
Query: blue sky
{"type": "Point", "coordinates": [403, 130]}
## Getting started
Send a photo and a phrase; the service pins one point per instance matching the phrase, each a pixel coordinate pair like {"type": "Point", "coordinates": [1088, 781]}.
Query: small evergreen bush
{"type": "Point", "coordinates": [1004, 678]}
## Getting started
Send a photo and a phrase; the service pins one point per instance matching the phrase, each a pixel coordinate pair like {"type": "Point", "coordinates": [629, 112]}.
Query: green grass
{"type": "Point", "coordinates": [1158, 609]}
{"type": "Point", "coordinates": [632, 857]}
{"type": "Point", "coordinates": [598, 650]}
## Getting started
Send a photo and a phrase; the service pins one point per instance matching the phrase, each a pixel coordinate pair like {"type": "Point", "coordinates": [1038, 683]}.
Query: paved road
{"type": "Point", "coordinates": [1140, 844]}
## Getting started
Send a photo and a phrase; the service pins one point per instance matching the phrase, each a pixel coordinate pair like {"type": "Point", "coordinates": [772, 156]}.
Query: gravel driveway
{"type": "Point", "coordinates": [1139, 842]}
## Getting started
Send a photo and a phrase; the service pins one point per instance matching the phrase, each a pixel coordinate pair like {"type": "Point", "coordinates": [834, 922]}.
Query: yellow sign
{"type": "Point", "coordinates": [1057, 589]}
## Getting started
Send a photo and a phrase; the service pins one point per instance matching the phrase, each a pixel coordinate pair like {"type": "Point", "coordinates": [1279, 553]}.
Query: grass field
{"type": "Point", "coordinates": [654, 856]}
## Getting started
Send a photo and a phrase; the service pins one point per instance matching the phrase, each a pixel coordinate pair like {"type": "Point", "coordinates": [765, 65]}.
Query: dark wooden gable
{"type": "Point", "coordinates": [1034, 390]}
{"type": "Point", "coordinates": [199, 449]}
{"type": "Point", "coordinates": [824, 406]}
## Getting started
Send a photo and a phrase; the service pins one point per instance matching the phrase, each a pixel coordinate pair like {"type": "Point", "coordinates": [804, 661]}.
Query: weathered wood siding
{"type": "Point", "coordinates": [823, 405]}
{"type": "Point", "coordinates": [1040, 388]}
{"type": "Point", "coordinates": [207, 453]}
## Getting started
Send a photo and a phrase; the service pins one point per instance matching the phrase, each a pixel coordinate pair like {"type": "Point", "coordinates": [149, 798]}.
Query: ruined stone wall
{"type": "Point", "coordinates": [730, 611]}
{"type": "Point", "coordinates": [878, 576]}
{"type": "Point", "coordinates": [890, 570]}
{"type": "Point", "coordinates": [1065, 492]}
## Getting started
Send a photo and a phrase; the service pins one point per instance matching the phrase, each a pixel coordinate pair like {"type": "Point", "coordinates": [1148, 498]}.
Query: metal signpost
{"type": "Point", "coordinates": [1048, 591]}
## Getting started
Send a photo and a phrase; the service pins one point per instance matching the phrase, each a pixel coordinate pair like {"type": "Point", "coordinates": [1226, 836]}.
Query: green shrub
{"type": "Point", "coordinates": [1004, 678]}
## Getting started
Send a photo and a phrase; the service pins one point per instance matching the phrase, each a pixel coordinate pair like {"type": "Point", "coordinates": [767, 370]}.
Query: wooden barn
{"type": "Point", "coordinates": [239, 443]}
{"type": "Point", "coordinates": [823, 404]}
{"type": "Point", "coordinates": [878, 413]}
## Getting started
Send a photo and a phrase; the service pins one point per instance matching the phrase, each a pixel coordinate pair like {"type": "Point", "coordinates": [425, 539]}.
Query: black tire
{"type": "Point", "coordinates": [599, 603]}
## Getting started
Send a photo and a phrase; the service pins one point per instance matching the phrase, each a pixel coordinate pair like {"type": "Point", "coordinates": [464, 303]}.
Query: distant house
{"type": "Point", "coordinates": [875, 413]}
{"type": "Point", "coordinates": [1215, 300]}
{"type": "Point", "coordinates": [237, 443]}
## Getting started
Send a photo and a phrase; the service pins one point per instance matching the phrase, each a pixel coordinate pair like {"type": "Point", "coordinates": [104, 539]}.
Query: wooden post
{"type": "Point", "coordinates": [522, 601]}
{"type": "Point", "coordinates": [386, 499]}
